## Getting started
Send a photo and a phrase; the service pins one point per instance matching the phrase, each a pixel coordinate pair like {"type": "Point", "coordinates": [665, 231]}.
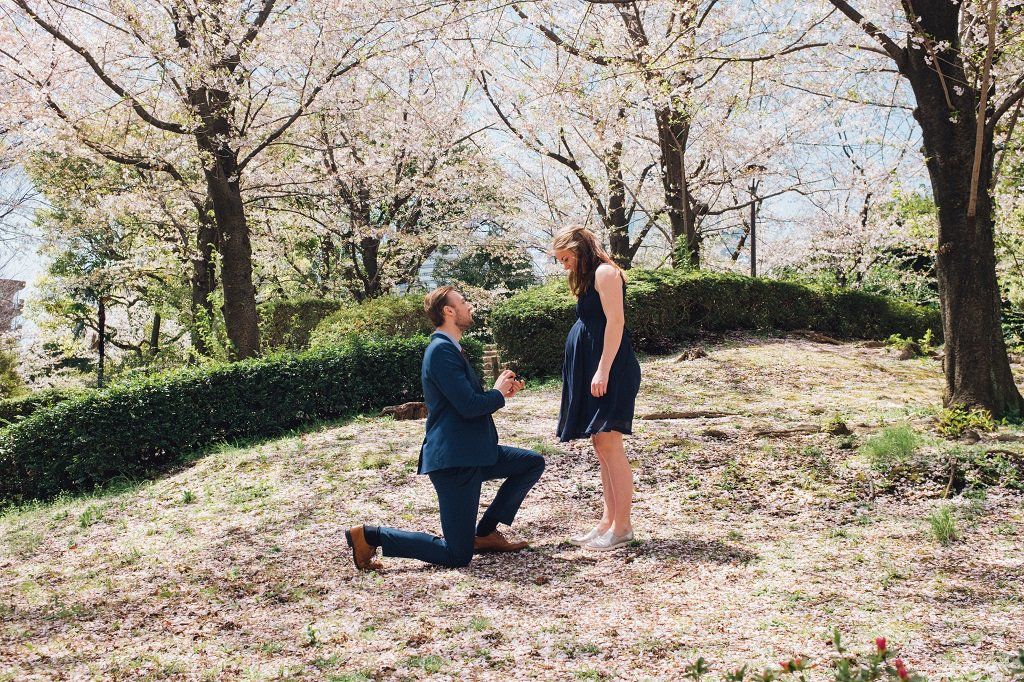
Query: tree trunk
{"type": "Point", "coordinates": [673, 134]}
{"type": "Point", "coordinates": [224, 190]}
{"type": "Point", "coordinates": [977, 367]}
{"type": "Point", "coordinates": [240, 319]}
{"type": "Point", "coordinates": [154, 336]}
{"type": "Point", "coordinates": [618, 222]}
{"type": "Point", "coordinates": [204, 280]}
{"type": "Point", "coordinates": [753, 240]}
{"type": "Point", "coordinates": [326, 273]}
{"type": "Point", "coordinates": [369, 254]}
{"type": "Point", "coordinates": [672, 138]}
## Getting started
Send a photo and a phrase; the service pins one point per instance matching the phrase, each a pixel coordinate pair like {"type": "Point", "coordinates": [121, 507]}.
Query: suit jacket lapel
{"type": "Point", "coordinates": [469, 367]}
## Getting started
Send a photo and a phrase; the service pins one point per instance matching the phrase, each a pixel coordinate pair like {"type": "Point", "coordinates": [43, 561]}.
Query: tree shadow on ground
{"type": "Point", "coordinates": [561, 560]}
{"type": "Point", "coordinates": [694, 549]}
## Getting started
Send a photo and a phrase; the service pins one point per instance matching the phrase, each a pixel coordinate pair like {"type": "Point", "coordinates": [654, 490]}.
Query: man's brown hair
{"type": "Point", "coordinates": [434, 304]}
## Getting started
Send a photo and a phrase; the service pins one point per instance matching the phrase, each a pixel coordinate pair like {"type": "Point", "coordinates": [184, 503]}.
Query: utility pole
{"type": "Point", "coordinates": [753, 230]}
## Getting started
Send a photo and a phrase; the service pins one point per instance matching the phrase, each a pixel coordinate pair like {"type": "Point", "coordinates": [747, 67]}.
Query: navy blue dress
{"type": "Point", "coordinates": [581, 414]}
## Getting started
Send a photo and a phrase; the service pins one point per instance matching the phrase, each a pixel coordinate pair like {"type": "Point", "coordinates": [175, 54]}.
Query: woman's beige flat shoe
{"type": "Point", "coordinates": [581, 540]}
{"type": "Point", "coordinates": [607, 542]}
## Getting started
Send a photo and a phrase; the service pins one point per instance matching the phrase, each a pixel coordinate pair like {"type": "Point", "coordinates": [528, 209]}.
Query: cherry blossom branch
{"type": "Point", "coordinates": [538, 147]}
{"type": "Point", "coordinates": [568, 47]}
{"type": "Point", "coordinates": [301, 109]}
{"type": "Point", "coordinates": [897, 53]}
{"type": "Point", "coordinates": [1015, 96]}
{"type": "Point", "coordinates": [100, 72]}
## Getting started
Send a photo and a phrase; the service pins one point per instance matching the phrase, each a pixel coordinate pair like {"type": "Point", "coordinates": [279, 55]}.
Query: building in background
{"type": "Point", "coordinates": [10, 305]}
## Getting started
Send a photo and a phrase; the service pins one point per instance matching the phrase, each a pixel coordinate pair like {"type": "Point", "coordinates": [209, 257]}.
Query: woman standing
{"type": "Point", "coordinates": [600, 378]}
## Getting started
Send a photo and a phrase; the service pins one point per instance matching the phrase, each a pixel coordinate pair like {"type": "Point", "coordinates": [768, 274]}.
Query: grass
{"type": "Point", "coordinates": [23, 543]}
{"type": "Point", "coordinates": [479, 624]}
{"type": "Point", "coordinates": [731, 535]}
{"type": "Point", "coordinates": [942, 524]}
{"type": "Point", "coordinates": [891, 448]}
{"type": "Point", "coordinates": [92, 514]}
{"type": "Point", "coordinates": [543, 448]}
{"type": "Point", "coordinates": [430, 664]}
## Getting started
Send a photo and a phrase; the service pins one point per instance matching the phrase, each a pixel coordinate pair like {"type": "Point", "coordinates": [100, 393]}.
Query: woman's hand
{"type": "Point", "coordinates": [599, 384]}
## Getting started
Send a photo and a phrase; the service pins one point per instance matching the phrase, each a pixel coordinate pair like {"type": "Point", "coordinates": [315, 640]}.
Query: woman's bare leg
{"type": "Point", "coordinates": [620, 479]}
{"type": "Point", "coordinates": [608, 514]}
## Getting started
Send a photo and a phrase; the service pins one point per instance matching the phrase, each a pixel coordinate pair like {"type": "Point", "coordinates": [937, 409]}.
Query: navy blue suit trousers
{"type": "Point", "coordinates": [458, 496]}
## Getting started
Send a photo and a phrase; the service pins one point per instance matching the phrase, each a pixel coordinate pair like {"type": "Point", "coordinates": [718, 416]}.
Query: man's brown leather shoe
{"type": "Point", "coordinates": [496, 542]}
{"type": "Point", "coordinates": [363, 553]}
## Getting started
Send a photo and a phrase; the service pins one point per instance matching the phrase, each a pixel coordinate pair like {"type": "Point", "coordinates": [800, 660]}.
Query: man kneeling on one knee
{"type": "Point", "coordinates": [460, 452]}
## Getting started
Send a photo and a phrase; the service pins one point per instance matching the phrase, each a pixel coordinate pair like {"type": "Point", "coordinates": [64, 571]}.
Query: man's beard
{"type": "Point", "coordinates": [464, 323]}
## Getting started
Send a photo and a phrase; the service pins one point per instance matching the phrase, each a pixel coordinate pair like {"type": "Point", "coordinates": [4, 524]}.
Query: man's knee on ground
{"type": "Point", "coordinates": [458, 559]}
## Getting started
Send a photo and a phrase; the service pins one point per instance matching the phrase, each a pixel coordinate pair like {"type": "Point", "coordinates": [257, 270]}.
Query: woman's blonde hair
{"type": "Point", "coordinates": [589, 255]}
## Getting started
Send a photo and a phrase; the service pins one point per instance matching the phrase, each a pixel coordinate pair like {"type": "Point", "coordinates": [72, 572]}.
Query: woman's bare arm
{"type": "Point", "coordinates": [608, 282]}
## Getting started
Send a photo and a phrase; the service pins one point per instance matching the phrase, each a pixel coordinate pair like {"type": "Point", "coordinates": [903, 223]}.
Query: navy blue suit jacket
{"type": "Point", "coordinates": [460, 431]}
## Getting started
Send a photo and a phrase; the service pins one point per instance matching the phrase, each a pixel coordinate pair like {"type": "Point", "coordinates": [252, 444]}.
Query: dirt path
{"type": "Point", "coordinates": [749, 549]}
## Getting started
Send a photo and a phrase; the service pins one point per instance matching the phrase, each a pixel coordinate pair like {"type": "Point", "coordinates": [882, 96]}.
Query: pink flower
{"type": "Point", "coordinates": [880, 643]}
{"type": "Point", "coordinates": [901, 669]}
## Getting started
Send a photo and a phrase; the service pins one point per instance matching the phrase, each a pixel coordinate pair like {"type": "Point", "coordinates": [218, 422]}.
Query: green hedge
{"type": "Point", "coordinates": [666, 307]}
{"type": "Point", "coordinates": [136, 429]}
{"type": "Point", "coordinates": [285, 324]}
{"type": "Point", "coordinates": [384, 317]}
{"type": "Point", "coordinates": [15, 409]}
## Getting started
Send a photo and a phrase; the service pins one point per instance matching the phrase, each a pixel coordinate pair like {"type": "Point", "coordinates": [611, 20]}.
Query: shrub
{"type": "Point", "coordinates": [285, 324]}
{"type": "Point", "coordinates": [530, 329]}
{"type": "Point", "coordinates": [383, 317]}
{"type": "Point", "coordinates": [14, 409]}
{"type": "Point", "coordinates": [138, 428]}
{"type": "Point", "coordinates": [915, 348]}
{"type": "Point", "coordinates": [954, 422]}
{"type": "Point", "coordinates": [666, 307]}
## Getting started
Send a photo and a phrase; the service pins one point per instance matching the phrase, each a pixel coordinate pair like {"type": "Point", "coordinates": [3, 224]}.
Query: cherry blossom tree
{"type": "Point", "coordinates": [964, 66]}
{"type": "Point", "coordinates": [692, 76]}
{"type": "Point", "coordinates": [379, 182]}
{"type": "Point", "coordinates": [179, 86]}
